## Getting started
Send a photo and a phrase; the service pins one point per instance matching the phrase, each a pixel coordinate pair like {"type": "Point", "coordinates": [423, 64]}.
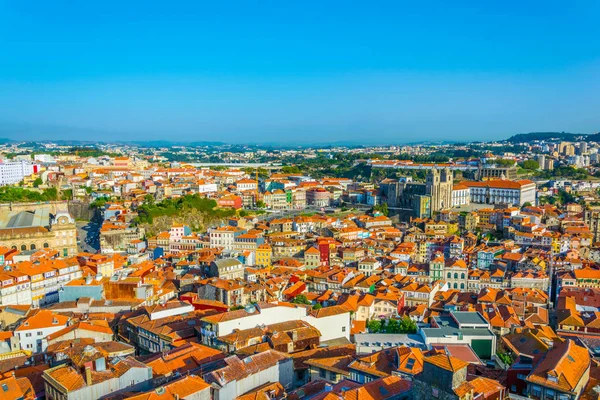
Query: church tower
{"type": "Point", "coordinates": [439, 186]}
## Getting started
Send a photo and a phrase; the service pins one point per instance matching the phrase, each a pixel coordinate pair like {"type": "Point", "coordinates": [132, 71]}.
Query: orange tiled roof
{"type": "Point", "coordinates": [446, 362]}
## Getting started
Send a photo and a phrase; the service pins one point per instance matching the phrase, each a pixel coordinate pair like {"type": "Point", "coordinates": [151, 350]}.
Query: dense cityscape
{"type": "Point", "coordinates": [217, 271]}
{"type": "Point", "coordinates": [299, 200]}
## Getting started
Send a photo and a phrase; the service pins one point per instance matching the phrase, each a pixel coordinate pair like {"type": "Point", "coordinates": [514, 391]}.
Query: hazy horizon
{"type": "Point", "coordinates": [297, 73]}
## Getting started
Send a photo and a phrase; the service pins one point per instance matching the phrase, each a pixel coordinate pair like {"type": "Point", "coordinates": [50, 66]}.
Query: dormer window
{"type": "Point", "coordinates": [552, 378]}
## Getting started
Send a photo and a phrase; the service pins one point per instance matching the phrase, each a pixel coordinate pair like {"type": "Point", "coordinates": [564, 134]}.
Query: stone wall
{"type": "Point", "coordinates": [82, 210]}
{"type": "Point", "coordinates": [423, 391]}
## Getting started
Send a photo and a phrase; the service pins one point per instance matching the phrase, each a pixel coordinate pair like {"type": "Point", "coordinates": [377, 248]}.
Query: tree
{"type": "Point", "coordinates": [374, 326]}
{"type": "Point", "coordinates": [67, 194]}
{"type": "Point", "coordinates": [407, 325]}
{"type": "Point", "coordinates": [505, 358]}
{"type": "Point", "coordinates": [100, 202]}
{"type": "Point", "coordinates": [392, 326]}
{"type": "Point", "coordinates": [502, 162]}
{"type": "Point", "coordinates": [527, 204]}
{"type": "Point", "coordinates": [149, 199]}
{"type": "Point", "coordinates": [383, 208]}
{"type": "Point", "coordinates": [293, 169]}
{"type": "Point", "coordinates": [51, 193]}
{"type": "Point", "coordinates": [564, 197]}
{"type": "Point", "coordinates": [530, 165]}
{"type": "Point", "coordinates": [17, 194]}
{"type": "Point", "coordinates": [300, 299]}
{"type": "Point", "coordinates": [260, 204]}
{"type": "Point", "coordinates": [547, 200]}
{"type": "Point", "coordinates": [317, 306]}
{"type": "Point", "coordinates": [37, 182]}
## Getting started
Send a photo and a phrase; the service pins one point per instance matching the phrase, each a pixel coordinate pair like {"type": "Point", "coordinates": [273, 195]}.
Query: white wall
{"type": "Point", "coordinates": [331, 327]}
{"type": "Point", "coordinates": [281, 372]}
{"type": "Point", "coordinates": [267, 316]}
{"type": "Point", "coordinates": [14, 172]}
{"type": "Point", "coordinates": [30, 343]}
{"type": "Point", "coordinates": [171, 312]}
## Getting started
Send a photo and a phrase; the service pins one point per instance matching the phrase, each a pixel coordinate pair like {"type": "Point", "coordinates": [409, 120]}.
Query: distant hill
{"type": "Point", "coordinates": [170, 143]}
{"type": "Point", "coordinates": [566, 136]}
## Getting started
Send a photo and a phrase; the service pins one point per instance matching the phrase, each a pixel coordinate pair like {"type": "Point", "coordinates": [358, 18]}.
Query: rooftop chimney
{"type": "Point", "coordinates": [88, 375]}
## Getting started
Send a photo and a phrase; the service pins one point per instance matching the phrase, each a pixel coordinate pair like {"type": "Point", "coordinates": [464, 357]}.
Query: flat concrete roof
{"type": "Point", "coordinates": [448, 327]}
{"type": "Point", "coordinates": [469, 317]}
{"type": "Point", "coordinates": [388, 339]}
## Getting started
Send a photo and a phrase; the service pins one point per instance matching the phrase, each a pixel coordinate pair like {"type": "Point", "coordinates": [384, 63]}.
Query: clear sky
{"type": "Point", "coordinates": [298, 71]}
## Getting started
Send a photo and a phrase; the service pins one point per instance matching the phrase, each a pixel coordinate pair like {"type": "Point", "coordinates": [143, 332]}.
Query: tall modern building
{"type": "Point", "coordinates": [541, 159]}
{"type": "Point", "coordinates": [12, 172]}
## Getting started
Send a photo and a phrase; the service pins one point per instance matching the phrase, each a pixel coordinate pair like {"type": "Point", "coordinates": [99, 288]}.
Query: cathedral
{"type": "Point", "coordinates": [439, 186]}
{"type": "Point", "coordinates": [420, 200]}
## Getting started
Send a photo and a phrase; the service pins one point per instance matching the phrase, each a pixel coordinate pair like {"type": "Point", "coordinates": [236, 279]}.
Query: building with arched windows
{"type": "Point", "coordinates": [39, 227]}
{"type": "Point", "coordinates": [456, 274]}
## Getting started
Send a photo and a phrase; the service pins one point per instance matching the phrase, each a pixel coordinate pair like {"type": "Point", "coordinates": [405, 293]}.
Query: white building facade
{"type": "Point", "coordinates": [12, 172]}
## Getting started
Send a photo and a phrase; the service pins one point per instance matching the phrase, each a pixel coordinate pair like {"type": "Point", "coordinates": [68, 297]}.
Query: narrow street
{"type": "Point", "coordinates": [88, 236]}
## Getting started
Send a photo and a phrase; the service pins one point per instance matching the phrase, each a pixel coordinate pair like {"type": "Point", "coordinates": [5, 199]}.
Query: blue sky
{"type": "Point", "coordinates": [298, 71]}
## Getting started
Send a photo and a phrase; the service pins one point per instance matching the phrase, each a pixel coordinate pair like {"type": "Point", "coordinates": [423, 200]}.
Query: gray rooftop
{"type": "Point", "coordinates": [388, 339]}
{"type": "Point", "coordinates": [469, 318]}
{"type": "Point", "coordinates": [449, 327]}
{"type": "Point", "coordinates": [227, 262]}
{"type": "Point", "coordinates": [25, 219]}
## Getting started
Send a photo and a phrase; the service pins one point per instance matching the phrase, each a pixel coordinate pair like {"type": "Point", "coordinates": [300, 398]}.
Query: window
{"type": "Point", "coordinates": [322, 373]}
{"type": "Point", "coordinates": [343, 329]}
{"type": "Point", "coordinates": [28, 334]}
{"type": "Point", "coordinates": [23, 247]}
{"type": "Point", "coordinates": [40, 333]}
{"type": "Point", "coordinates": [333, 376]}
